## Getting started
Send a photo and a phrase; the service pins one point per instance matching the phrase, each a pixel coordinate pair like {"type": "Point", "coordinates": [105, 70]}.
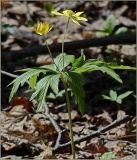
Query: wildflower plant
{"type": "Point", "coordinates": [110, 27]}
{"type": "Point", "coordinates": [114, 97]}
{"type": "Point", "coordinates": [73, 79]}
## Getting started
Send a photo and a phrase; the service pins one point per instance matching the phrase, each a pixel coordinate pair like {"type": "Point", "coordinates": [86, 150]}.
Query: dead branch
{"type": "Point", "coordinates": [54, 123]}
{"type": "Point", "coordinates": [8, 74]}
{"type": "Point", "coordinates": [97, 133]}
{"type": "Point", "coordinates": [124, 38]}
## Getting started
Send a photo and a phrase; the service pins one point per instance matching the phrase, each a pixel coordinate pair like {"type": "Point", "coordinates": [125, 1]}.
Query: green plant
{"type": "Point", "coordinates": [49, 7]}
{"type": "Point", "coordinates": [109, 27]}
{"type": "Point", "coordinates": [72, 79]}
{"type": "Point", "coordinates": [108, 156]}
{"type": "Point", "coordinates": [117, 98]}
{"type": "Point", "coordinates": [53, 95]}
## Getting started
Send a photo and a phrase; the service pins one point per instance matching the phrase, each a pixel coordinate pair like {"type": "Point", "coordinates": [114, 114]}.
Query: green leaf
{"type": "Point", "coordinates": [50, 68]}
{"type": "Point", "coordinates": [124, 95]}
{"type": "Point", "coordinates": [42, 88]}
{"type": "Point", "coordinates": [110, 72]}
{"type": "Point", "coordinates": [49, 7]}
{"type": "Point", "coordinates": [67, 60]}
{"type": "Point", "coordinates": [102, 33]}
{"type": "Point", "coordinates": [135, 130]}
{"type": "Point", "coordinates": [108, 156]}
{"type": "Point", "coordinates": [54, 82]}
{"type": "Point", "coordinates": [106, 97]}
{"type": "Point", "coordinates": [33, 81]}
{"type": "Point", "coordinates": [105, 69]}
{"type": "Point", "coordinates": [76, 82]}
{"type": "Point", "coordinates": [41, 91]}
{"type": "Point", "coordinates": [22, 79]}
{"type": "Point", "coordinates": [121, 30]}
{"type": "Point", "coordinates": [119, 101]}
{"type": "Point", "coordinates": [79, 61]}
{"type": "Point", "coordinates": [41, 97]}
{"type": "Point", "coordinates": [93, 65]}
{"type": "Point", "coordinates": [110, 24]}
{"type": "Point", "coordinates": [51, 96]}
{"type": "Point", "coordinates": [60, 94]}
{"type": "Point", "coordinates": [115, 66]}
{"type": "Point", "coordinates": [113, 95]}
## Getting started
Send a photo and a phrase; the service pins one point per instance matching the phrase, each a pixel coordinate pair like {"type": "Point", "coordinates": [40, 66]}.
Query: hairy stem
{"type": "Point", "coordinates": [70, 119]}
{"type": "Point", "coordinates": [64, 36]}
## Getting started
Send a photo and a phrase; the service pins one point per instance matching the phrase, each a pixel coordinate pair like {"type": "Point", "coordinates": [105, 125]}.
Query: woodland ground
{"type": "Point", "coordinates": [27, 135]}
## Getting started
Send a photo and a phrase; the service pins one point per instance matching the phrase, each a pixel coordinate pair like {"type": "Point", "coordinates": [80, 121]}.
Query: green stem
{"type": "Point", "coordinates": [64, 36]}
{"type": "Point", "coordinates": [70, 119]}
{"type": "Point", "coordinates": [51, 54]}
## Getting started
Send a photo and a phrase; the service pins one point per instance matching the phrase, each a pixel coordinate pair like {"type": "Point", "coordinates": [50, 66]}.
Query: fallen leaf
{"type": "Point", "coordinates": [22, 101]}
{"type": "Point", "coordinates": [65, 117]}
{"type": "Point", "coordinates": [96, 147]}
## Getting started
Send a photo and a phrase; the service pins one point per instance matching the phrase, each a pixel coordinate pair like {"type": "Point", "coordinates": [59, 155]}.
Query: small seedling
{"type": "Point", "coordinates": [50, 7]}
{"type": "Point", "coordinates": [108, 156]}
{"type": "Point", "coordinates": [72, 79]}
{"type": "Point", "coordinates": [117, 98]}
{"type": "Point", "coordinates": [109, 27]}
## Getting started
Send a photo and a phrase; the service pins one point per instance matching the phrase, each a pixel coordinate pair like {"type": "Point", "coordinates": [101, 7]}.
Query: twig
{"type": "Point", "coordinates": [60, 106]}
{"type": "Point", "coordinates": [57, 128]}
{"type": "Point", "coordinates": [123, 38]}
{"type": "Point", "coordinates": [97, 133]}
{"type": "Point", "coordinates": [8, 74]}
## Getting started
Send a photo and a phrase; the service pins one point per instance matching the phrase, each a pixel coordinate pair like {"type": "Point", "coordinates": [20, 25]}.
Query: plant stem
{"type": "Point", "coordinates": [64, 36]}
{"type": "Point", "coordinates": [50, 54]}
{"type": "Point", "coordinates": [70, 119]}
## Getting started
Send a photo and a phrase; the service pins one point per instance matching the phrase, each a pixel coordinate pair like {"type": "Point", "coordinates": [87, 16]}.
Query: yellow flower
{"type": "Point", "coordinates": [42, 28]}
{"type": "Point", "coordinates": [75, 16]}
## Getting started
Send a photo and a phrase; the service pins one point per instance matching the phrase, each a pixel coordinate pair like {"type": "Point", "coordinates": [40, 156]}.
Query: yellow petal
{"type": "Point", "coordinates": [50, 28]}
{"type": "Point", "coordinates": [42, 28]}
{"type": "Point", "coordinates": [78, 13]}
{"type": "Point", "coordinates": [45, 28]}
{"type": "Point", "coordinates": [57, 13]}
{"type": "Point", "coordinates": [81, 19]}
{"type": "Point", "coordinates": [38, 32]}
{"type": "Point", "coordinates": [75, 21]}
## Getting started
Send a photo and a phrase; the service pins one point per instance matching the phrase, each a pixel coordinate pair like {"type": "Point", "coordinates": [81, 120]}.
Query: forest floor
{"type": "Point", "coordinates": [106, 128]}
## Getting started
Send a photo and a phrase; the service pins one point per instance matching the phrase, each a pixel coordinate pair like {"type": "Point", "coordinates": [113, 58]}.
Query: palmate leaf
{"type": "Point", "coordinates": [108, 68]}
{"type": "Point", "coordinates": [22, 79]}
{"type": "Point", "coordinates": [42, 88]}
{"type": "Point", "coordinates": [75, 83]}
{"type": "Point", "coordinates": [67, 60]}
{"type": "Point", "coordinates": [105, 69]}
{"type": "Point", "coordinates": [115, 98]}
